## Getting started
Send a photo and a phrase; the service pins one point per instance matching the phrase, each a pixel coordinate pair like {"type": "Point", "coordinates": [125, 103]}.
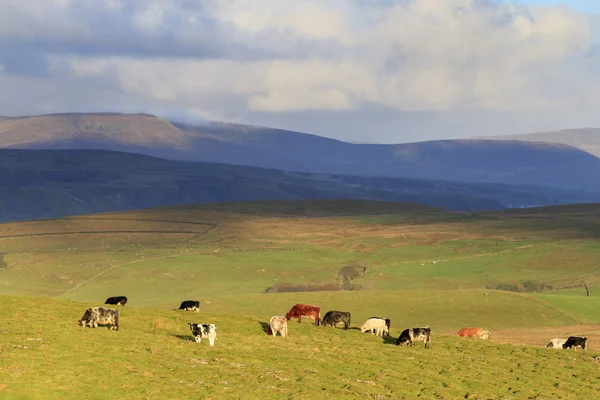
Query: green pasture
{"type": "Point", "coordinates": [162, 255]}
{"type": "Point", "coordinates": [44, 354]}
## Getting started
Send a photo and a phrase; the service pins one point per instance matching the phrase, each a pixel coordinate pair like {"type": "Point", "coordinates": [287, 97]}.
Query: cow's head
{"type": "Point", "coordinates": [485, 335]}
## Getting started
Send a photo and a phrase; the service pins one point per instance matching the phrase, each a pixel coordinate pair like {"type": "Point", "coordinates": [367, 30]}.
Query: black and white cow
{"type": "Point", "coordinates": [387, 324]}
{"type": "Point", "coordinates": [335, 317]}
{"type": "Point", "coordinates": [204, 331]}
{"type": "Point", "coordinates": [95, 316]}
{"type": "Point", "coordinates": [556, 343]}
{"type": "Point", "coordinates": [574, 341]}
{"type": "Point", "coordinates": [410, 335]}
{"type": "Point", "coordinates": [116, 300]}
{"type": "Point", "coordinates": [190, 305]}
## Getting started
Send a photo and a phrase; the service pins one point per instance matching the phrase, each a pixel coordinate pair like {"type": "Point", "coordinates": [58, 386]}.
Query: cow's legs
{"type": "Point", "coordinates": [299, 318]}
{"type": "Point", "coordinates": [197, 339]}
{"type": "Point", "coordinates": [211, 340]}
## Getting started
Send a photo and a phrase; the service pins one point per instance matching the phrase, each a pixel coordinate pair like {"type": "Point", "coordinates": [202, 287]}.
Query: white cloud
{"type": "Point", "coordinates": [229, 57]}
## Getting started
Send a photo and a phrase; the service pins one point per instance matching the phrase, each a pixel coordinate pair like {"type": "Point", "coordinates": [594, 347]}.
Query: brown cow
{"type": "Point", "coordinates": [476, 333]}
{"type": "Point", "coordinates": [304, 310]}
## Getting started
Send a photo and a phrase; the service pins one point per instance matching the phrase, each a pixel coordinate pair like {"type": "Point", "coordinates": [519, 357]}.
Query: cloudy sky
{"type": "Point", "coordinates": [385, 71]}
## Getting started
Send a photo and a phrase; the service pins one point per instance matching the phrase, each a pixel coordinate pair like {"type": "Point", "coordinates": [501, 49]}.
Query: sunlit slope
{"type": "Point", "coordinates": [153, 356]}
{"type": "Point", "coordinates": [160, 255]}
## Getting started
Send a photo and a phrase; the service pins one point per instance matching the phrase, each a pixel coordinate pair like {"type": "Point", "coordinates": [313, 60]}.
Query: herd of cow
{"type": "Point", "coordinates": [95, 316]}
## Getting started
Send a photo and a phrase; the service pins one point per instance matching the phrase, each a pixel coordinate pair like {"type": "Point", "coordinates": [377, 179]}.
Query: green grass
{"type": "Point", "coordinates": [577, 305]}
{"type": "Point", "coordinates": [46, 355]}
{"type": "Point", "coordinates": [161, 255]}
{"type": "Point", "coordinates": [426, 269]}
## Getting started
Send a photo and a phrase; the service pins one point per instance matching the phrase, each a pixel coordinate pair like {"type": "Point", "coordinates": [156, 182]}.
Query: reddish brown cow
{"type": "Point", "coordinates": [476, 333]}
{"type": "Point", "coordinates": [304, 310]}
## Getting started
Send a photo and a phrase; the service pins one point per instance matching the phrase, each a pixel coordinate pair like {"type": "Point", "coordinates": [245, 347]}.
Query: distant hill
{"type": "Point", "coordinates": [586, 139]}
{"type": "Point", "coordinates": [487, 161]}
{"type": "Point", "coordinates": [53, 183]}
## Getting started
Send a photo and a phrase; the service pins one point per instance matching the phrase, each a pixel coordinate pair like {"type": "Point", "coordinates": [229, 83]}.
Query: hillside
{"type": "Point", "coordinates": [153, 356]}
{"type": "Point", "coordinates": [54, 183]}
{"type": "Point", "coordinates": [237, 250]}
{"type": "Point", "coordinates": [423, 267]}
{"type": "Point", "coordinates": [486, 161]}
{"type": "Point", "coordinates": [586, 139]}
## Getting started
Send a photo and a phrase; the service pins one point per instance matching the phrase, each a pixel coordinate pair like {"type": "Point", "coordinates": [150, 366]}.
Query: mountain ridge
{"type": "Point", "coordinates": [587, 139]}
{"type": "Point", "coordinates": [461, 160]}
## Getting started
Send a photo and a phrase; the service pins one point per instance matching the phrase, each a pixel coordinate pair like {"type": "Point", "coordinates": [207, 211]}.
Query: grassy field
{"type": "Point", "coordinates": [44, 354]}
{"type": "Point", "coordinates": [423, 267]}
{"type": "Point", "coordinates": [158, 256]}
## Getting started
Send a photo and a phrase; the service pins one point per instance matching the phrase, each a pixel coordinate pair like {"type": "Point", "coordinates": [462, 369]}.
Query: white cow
{"type": "Point", "coordinates": [278, 324]}
{"type": "Point", "coordinates": [376, 326]}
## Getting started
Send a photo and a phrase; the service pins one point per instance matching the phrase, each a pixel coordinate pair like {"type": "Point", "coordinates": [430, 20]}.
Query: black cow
{"type": "Point", "coordinates": [412, 334]}
{"type": "Point", "coordinates": [190, 305]}
{"type": "Point", "coordinates": [335, 317]}
{"type": "Point", "coordinates": [387, 323]}
{"type": "Point", "coordinates": [574, 341]}
{"type": "Point", "coordinates": [116, 300]}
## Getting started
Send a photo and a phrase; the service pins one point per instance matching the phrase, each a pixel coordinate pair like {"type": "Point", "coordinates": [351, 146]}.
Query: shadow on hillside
{"type": "Point", "coordinates": [183, 337]}
{"type": "Point", "coordinates": [389, 340]}
{"type": "Point", "coordinates": [266, 328]}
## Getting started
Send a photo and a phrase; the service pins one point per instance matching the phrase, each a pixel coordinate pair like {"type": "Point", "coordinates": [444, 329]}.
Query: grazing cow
{"type": "Point", "coordinates": [375, 325]}
{"type": "Point", "coordinates": [304, 310]}
{"type": "Point", "coordinates": [574, 341]}
{"type": "Point", "coordinates": [190, 305]}
{"type": "Point", "coordinates": [387, 324]}
{"type": "Point", "coordinates": [117, 300]}
{"type": "Point", "coordinates": [203, 331]}
{"type": "Point", "coordinates": [278, 324]}
{"type": "Point", "coordinates": [95, 316]}
{"type": "Point", "coordinates": [556, 343]}
{"type": "Point", "coordinates": [476, 333]}
{"type": "Point", "coordinates": [334, 317]}
{"type": "Point", "coordinates": [413, 334]}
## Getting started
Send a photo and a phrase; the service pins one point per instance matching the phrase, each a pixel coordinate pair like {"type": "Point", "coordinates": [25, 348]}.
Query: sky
{"type": "Point", "coordinates": [380, 71]}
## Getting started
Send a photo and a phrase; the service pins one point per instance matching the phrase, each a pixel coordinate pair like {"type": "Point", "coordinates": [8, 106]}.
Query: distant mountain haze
{"type": "Point", "coordinates": [55, 183]}
{"type": "Point", "coordinates": [466, 160]}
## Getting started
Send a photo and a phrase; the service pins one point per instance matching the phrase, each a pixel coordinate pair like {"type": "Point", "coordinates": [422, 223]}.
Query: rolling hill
{"type": "Point", "coordinates": [235, 251]}
{"type": "Point", "coordinates": [482, 161]}
{"type": "Point", "coordinates": [586, 139]}
{"type": "Point", "coordinates": [423, 267]}
{"type": "Point", "coordinates": [53, 183]}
